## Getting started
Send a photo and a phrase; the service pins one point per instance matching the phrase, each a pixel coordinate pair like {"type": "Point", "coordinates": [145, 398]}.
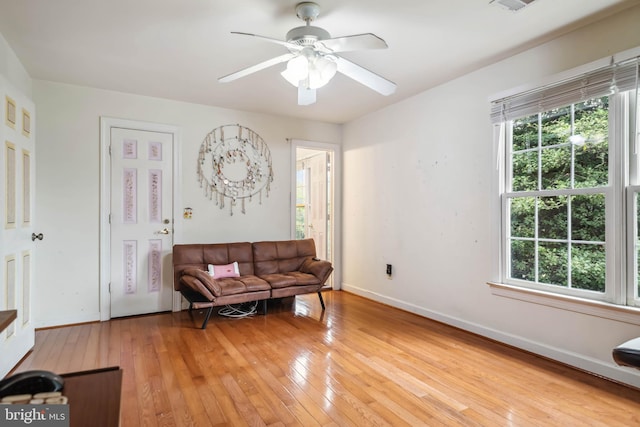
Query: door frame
{"type": "Point", "coordinates": [337, 199]}
{"type": "Point", "coordinates": [106, 124]}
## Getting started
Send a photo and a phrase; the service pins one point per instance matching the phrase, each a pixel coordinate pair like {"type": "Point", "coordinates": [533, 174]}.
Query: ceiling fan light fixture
{"type": "Point", "coordinates": [314, 71]}
{"type": "Point", "coordinates": [321, 72]}
{"type": "Point", "coordinates": [297, 70]}
{"type": "Point", "coordinates": [512, 5]}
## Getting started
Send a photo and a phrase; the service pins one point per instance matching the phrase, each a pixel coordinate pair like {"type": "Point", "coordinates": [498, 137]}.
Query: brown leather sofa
{"type": "Point", "coordinates": [274, 269]}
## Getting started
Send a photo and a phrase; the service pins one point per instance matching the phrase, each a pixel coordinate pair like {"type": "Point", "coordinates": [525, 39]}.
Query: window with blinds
{"type": "Point", "coordinates": [570, 198]}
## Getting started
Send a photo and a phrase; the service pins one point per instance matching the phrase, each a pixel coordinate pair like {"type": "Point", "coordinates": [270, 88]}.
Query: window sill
{"type": "Point", "coordinates": [604, 310]}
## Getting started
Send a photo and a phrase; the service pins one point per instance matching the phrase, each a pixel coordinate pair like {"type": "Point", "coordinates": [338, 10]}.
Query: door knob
{"type": "Point", "coordinates": [163, 231]}
{"type": "Point", "coordinates": [35, 236]}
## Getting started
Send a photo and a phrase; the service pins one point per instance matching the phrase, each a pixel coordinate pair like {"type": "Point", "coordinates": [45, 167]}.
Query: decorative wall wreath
{"type": "Point", "coordinates": [235, 163]}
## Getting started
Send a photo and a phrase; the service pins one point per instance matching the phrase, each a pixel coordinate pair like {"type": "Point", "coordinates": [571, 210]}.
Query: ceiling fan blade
{"type": "Point", "coordinates": [306, 96]}
{"type": "Point", "coordinates": [365, 77]}
{"type": "Point", "coordinates": [350, 43]}
{"type": "Point", "coordinates": [261, 66]}
{"type": "Point", "coordinates": [290, 46]}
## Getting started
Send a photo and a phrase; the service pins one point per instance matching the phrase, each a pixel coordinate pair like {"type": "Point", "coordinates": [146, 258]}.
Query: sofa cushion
{"type": "Point", "coordinates": [241, 285]}
{"type": "Point", "coordinates": [227, 253]}
{"type": "Point", "coordinates": [294, 278]}
{"type": "Point", "coordinates": [254, 283]}
{"type": "Point", "coordinates": [277, 280]}
{"type": "Point", "coordinates": [281, 256]}
{"type": "Point", "coordinates": [224, 286]}
{"type": "Point", "coordinates": [304, 278]}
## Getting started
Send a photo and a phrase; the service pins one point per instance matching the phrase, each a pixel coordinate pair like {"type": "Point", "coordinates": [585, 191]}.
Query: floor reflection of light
{"type": "Point", "coordinates": [510, 417]}
{"type": "Point", "coordinates": [328, 398]}
{"type": "Point", "coordinates": [297, 377]}
{"type": "Point", "coordinates": [328, 337]}
{"type": "Point", "coordinates": [301, 310]}
{"type": "Point", "coordinates": [300, 367]}
{"type": "Point", "coordinates": [328, 392]}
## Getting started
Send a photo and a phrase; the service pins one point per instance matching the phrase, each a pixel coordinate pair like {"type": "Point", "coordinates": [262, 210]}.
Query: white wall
{"type": "Point", "coordinates": [67, 200]}
{"type": "Point", "coordinates": [419, 193]}
{"type": "Point", "coordinates": [13, 70]}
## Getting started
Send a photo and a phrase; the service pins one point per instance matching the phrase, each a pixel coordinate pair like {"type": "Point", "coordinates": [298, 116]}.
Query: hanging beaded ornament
{"type": "Point", "coordinates": [235, 163]}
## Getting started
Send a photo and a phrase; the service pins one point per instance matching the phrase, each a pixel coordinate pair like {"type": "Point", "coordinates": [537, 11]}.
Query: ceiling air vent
{"type": "Point", "coordinates": [512, 5]}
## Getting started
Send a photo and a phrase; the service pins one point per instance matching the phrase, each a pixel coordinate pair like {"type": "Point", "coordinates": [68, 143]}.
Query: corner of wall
{"type": "Point", "coordinates": [13, 70]}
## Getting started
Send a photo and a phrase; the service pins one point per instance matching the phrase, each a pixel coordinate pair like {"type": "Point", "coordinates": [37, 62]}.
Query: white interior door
{"type": "Point", "coordinates": [141, 217]}
{"type": "Point", "coordinates": [17, 191]}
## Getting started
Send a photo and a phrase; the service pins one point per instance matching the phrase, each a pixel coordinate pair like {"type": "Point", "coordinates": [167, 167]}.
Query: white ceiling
{"type": "Point", "coordinates": [177, 49]}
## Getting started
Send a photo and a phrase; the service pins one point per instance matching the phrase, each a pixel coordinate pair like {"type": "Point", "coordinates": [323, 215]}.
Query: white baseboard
{"type": "Point", "coordinates": [620, 374]}
{"type": "Point", "coordinates": [64, 321]}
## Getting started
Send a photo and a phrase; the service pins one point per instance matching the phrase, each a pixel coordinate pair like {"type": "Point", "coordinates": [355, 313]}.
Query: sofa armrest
{"type": "Point", "coordinates": [196, 285]}
{"type": "Point", "coordinates": [319, 268]}
{"type": "Point", "coordinates": [199, 280]}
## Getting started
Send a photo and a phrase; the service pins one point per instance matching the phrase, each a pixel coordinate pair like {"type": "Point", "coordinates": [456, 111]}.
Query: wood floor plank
{"type": "Point", "coordinates": [49, 357]}
{"type": "Point", "coordinates": [358, 363]}
{"type": "Point", "coordinates": [271, 392]}
{"type": "Point", "coordinates": [405, 415]}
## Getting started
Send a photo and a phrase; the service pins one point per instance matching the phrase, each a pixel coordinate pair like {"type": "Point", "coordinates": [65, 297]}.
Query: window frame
{"type": "Point", "coordinates": [620, 299]}
{"type": "Point", "coordinates": [631, 200]}
{"type": "Point", "coordinates": [610, 225]}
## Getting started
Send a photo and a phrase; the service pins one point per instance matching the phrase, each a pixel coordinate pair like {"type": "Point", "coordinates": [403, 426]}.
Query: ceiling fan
{"type": "Point", "coordinates": [312, 59]}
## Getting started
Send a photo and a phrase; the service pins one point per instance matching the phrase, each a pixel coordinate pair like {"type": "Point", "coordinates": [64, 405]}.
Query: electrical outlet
{"type": "Point", "coordinates": [389, 269]}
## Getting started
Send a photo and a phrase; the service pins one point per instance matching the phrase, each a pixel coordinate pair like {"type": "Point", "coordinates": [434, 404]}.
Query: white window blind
{"type": "Point", "coordinates": [616, 77]}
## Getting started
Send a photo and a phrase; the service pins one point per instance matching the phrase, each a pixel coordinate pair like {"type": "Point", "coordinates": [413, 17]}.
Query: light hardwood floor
{"type": "Point", "coordinates": [359, 363]}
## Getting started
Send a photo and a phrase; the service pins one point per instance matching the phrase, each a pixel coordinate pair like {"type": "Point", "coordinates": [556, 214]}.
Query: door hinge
{"type": "Point", "coordinates": [109, 287]}
{"type": "Point", "coordinates": [109, 149]}
{"type": "Point", "coordinates": [109, 218]}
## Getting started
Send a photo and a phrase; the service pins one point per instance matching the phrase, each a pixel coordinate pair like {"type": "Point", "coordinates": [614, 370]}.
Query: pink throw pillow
{"type": "Point", "coordinates": [220, 271]}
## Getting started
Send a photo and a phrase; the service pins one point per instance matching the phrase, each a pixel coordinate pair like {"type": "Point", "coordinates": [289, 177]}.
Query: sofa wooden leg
{"type": "Point", "coordinates": [206, 318]}
{"type": "Point", "coordinates": [264, 306]}
{"type": "Point", "coordinates": [321, 300]}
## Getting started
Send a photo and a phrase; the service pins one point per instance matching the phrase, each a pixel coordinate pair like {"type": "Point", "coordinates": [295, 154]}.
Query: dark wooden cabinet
{"type": "Point", "coordinates": [6, 317]}
{"type": "Point", "coordinates": [94, 397]}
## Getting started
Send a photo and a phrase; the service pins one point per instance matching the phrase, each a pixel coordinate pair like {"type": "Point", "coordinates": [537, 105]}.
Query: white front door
{"type": "Point", "coordinates": [141, 216]}
{"type": "Point", "coordinates": [17, 192]}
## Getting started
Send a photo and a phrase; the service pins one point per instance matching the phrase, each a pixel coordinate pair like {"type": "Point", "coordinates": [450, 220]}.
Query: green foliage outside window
{"type": "Point", "coordinates": [301, 185]}
{"type": "Point", "coordinates": [300, 223]}
{"type": "Point", "coordinates": [559, 239]}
